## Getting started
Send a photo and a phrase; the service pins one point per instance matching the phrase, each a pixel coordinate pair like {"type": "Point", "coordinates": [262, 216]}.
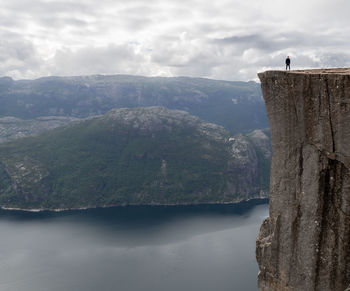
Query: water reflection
{"type": "Point", "coordinates": [131, 248]}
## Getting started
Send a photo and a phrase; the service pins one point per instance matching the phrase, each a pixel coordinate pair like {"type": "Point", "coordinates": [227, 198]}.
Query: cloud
{"type": "Point", "coordinates": [18, 58]}
{"type": "Point", "coordinates": [111, 59]}
{"type": "Point", "coordinates": [223, 39]}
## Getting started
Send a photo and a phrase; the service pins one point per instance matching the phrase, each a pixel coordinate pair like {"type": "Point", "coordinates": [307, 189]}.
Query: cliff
{"type": "Point", "coordinates": [304, 243]}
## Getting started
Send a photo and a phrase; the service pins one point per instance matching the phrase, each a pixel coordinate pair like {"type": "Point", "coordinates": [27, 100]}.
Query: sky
{"type": "Point", "coordinates": [218, 39]}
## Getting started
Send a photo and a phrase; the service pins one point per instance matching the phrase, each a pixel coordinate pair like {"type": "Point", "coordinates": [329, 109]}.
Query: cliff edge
{"type": "Point", "coordinates": [304, 244]}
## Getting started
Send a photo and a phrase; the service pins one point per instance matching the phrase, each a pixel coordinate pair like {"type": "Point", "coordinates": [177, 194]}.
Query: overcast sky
{"type": "Point", "coordinates": [220, 39]}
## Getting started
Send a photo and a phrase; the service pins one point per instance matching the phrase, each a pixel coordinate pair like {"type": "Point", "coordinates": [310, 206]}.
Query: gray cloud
{"type": "Point", "coordinates": [281, 40]}
{"type": "Point", "coordinates": [93, 60]}
{"type": "Point", "coordinates": [223, 39]}
{"type": "Point", "coordinates": [18, 58]}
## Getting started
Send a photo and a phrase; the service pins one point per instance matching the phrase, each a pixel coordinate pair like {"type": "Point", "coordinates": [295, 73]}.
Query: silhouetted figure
{"type": "Point", "coordinates": [288, 63]}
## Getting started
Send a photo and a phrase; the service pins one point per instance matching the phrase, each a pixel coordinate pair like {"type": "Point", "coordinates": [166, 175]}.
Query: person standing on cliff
{"type": "Point", "coordinates": [288, 63]}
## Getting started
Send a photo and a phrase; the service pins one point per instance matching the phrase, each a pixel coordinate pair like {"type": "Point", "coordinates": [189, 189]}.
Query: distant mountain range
{"type": "Point", "coordinates": [115, 140]}
{"type": "Point", "coordinates": [238, 106]}
{"type": "Point", "coordinates": [149, 155]}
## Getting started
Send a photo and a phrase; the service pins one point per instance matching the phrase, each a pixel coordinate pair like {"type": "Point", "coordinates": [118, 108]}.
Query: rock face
{"type": "Point", "coordinates": [304, 244]}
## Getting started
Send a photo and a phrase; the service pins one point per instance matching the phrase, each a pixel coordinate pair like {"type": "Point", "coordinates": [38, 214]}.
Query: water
{"type": "Point", "coordinates": [193, 248]}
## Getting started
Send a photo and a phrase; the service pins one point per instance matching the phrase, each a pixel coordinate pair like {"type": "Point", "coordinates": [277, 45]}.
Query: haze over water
{"type": "Point", "coordinates": [193, 248]}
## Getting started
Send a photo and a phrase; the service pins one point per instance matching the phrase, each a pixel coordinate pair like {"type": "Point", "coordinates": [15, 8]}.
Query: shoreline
{"type": "Point", "coordinates": [58, 210]}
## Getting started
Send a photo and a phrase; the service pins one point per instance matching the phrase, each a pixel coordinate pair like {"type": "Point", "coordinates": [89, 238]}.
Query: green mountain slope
{"type": "Point", "coordinates": [12, 128]}
{"type": "Point", "coordinates": [238, 106]}
{"type": "Point", "coordinates": [148, 155]}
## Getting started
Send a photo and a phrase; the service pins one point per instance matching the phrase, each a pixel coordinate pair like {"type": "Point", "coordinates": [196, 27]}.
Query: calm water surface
{"type": "Point", "coordinates": [193, 248]}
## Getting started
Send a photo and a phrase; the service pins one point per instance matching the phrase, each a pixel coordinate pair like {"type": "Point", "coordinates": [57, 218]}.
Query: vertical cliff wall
{"type": "Point", "coordinates": [304, 244]}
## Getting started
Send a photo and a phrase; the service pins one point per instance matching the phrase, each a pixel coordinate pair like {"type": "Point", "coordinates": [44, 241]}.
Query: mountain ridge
{"type": "Point", "coordinates": [149, 155]}
{"type": "Point", "coordinates": [238, 106]}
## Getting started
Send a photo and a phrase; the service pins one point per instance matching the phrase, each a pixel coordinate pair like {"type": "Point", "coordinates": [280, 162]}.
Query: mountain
{"type": "Point", "coordinates": [238, 106]}
{"type": "Point", "coordinates": [149, 155]}
{"type": "Point", "coordinates": [12, 128]}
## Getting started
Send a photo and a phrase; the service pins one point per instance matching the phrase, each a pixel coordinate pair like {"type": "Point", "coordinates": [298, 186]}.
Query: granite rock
{"type": "Point", "coordinates": [304, 244]}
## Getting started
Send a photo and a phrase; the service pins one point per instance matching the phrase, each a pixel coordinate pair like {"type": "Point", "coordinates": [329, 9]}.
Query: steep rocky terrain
{"type": "Point", "coordinates": [146, 155]}
{"type": "Point", "coordinates": [304, 244]}
{"type": "Point", "coordinates": [238, 106]}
